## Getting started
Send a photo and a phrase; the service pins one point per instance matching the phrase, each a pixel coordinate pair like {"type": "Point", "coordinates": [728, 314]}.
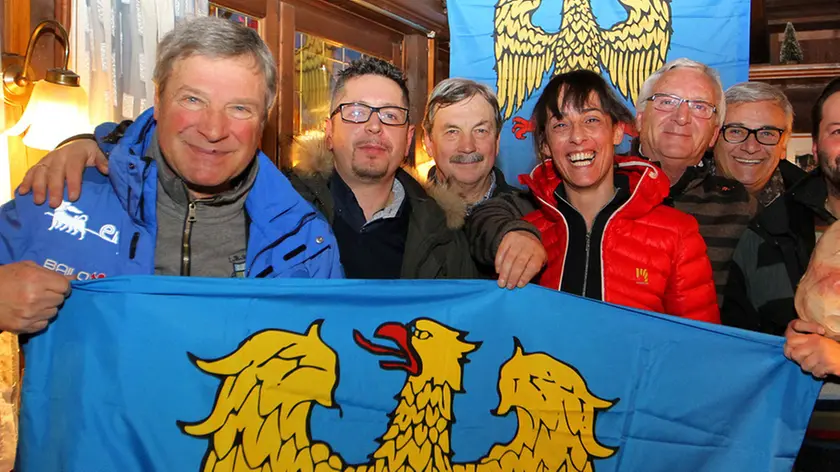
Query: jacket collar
{"type": "Point", "coordinates": [648, 185]}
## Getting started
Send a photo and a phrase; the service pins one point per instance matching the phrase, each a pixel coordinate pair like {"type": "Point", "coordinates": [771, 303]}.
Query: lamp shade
{"type": "Point", "coordinates": [54, 113]}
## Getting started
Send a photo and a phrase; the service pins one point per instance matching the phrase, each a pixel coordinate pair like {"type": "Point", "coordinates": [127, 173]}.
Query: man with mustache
{"type": "Point", "coordinates": [189, 193]}
{"type": "Point", "coordinates": [774, 252]}
{"type": "Point", "coordinates": [463, 124]}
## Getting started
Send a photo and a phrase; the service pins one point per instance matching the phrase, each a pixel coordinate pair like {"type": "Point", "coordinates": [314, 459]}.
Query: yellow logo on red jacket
{"type": "Point", "coordinates": [641, 276]}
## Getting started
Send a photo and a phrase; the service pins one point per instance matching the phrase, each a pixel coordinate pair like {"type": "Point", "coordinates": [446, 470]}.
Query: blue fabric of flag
{"type": "Point", "coordinates": [188, 374]}
{"type": "Point", "coordinates": [513, 45]}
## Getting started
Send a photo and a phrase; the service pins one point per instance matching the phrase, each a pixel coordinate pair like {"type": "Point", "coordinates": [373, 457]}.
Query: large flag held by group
{"type": "Point", "coordinates": [190, 374]}
{"type": "Point", "coordinates": [516, 46]}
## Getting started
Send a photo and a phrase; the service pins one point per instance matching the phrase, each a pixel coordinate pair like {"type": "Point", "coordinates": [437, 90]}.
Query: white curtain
{"type": "Point", "coordinates": [113, 43]}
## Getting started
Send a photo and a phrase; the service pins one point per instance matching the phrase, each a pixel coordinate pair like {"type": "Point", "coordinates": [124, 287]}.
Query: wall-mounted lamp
{"type": "Point", "coordinates": [54, 108]}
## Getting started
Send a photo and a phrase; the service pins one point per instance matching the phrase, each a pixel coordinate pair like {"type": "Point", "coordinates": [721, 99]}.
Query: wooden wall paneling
{"type": "Point", "coordinates": [416, 67]}
{"type": "Point", "coordinates": [441, 61]}
{"type": "Point", "coordinates": [271, 26]}
{"type": "Point", "coordinates": [255, 8]}
{"type": "Point", "coordinates": [759, 34]}
{"type": "Point", "coordinates": [333, 23]}
{"type": "Point", "coordinates": [286, 67]}
{"type": "Point", "coordinates": [818, 46]}
{"type": "Point", "coordinates": [404, 16]}
{"type": "Point", "coordinates": [16, 26]}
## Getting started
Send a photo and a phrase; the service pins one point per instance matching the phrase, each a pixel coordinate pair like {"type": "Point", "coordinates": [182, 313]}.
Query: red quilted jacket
{"type": "Point", "coordinates": [640, 253]}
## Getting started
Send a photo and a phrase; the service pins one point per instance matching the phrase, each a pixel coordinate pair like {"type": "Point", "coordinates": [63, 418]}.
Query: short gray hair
{"type": "Point", "coordinates": [750, 92]}
{"type": "Point", "coordinates": [218, 38]}
{"type": "Point", "coordinates": [455, 90]}
{"type": "Point", "coordinates": [647, 88]}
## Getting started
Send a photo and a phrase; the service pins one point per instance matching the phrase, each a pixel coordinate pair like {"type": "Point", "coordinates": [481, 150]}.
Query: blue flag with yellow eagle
{"type": "Point", "coordinates": [188, 374]}
{"type": "Point", "coordinates": [516, 46]}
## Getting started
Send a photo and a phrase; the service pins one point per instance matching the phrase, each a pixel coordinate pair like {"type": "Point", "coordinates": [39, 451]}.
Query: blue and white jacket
{"type": "Point", "coordinates": [111, 229]}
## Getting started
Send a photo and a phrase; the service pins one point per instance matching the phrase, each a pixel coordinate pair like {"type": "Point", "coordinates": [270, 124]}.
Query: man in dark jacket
{"type": "Point", "coordinates": [462, 126]}
{"type": "Point", "coordinates": [774, 252]}
{"type": "Point", "coordinates": [753, 141]}
{"type": "Point", "coordinates": [386, 225]}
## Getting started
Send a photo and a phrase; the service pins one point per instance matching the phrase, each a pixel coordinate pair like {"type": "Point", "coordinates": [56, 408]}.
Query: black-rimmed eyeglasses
{"type": "Point", "coordinates": [360, 113]}
{"type": "Point", "coordinates": [668, 103]}
{"type": "Point", "coordinates": [766, 135]}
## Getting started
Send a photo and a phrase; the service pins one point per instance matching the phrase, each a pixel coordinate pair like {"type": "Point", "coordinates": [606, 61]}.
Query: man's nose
{"type": "Point", "coordinates": [682, 114]}
{"type": "Point", "coordinates": [373, 125]}
{"type": "Point", "coordinates": [751, 145]}
{"type": "Point", "coordinates": [466, 143]}
{"type": "Point", "coordinates": [213, 125]}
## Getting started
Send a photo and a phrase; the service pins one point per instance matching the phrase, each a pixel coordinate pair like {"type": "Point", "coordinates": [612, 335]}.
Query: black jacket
{"type": "Point", "coordinates": [432, 249]}
{"type": "Point", "coordinates": [772, 257]}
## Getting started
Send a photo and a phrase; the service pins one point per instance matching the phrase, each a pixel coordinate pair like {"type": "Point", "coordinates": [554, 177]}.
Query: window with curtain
{"type": "Point", "coordinates": [113, 43]}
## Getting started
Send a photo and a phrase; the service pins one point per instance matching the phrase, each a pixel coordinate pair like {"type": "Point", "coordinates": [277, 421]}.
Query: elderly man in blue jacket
{"type": "Point", "coordinates": [188, 192]}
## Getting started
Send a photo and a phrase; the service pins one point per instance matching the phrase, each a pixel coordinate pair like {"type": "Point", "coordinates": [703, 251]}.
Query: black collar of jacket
{"type": "Point", "coordinates": [791, 173]}
{"type": "Point", "coordinates": [810, 193]}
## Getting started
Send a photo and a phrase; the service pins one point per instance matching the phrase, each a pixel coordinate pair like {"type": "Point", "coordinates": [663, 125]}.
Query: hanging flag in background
{"type": "Point", "coordinates": [188, 374]}
{"type": "Point", "coordinates": [516, 46]}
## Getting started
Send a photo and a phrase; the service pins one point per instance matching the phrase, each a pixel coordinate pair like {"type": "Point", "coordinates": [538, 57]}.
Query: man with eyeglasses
{"type": "Point", "coordinates": [774, 252]}
{"type": "Point", "coordinates": [679, 114]}
{"type": "Point", "coordinates": [386, 225]}
{"type": "Point", "coordinates": [753, 141]}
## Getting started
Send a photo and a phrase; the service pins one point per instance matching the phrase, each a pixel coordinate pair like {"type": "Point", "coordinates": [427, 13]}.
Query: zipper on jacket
{"type": "Point", "coordinates": [586, 264]}
{"type": "Point", "coordinates": [185, 239]}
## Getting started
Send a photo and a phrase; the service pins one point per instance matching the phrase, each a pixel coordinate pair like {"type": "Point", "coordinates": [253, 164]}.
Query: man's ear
{"type": "Point", "coordinates": [157, 102]}
{"type": "Point", "coordinates": [640, 116]}
{"type": "Point", "coordinates": [427, 143]}
{"type": "Point", "coordinates": [328, 131]}
{"type": "Point", "coordinates": [409, 135]}
{"type": "Point", "coordinates": [715, 136]}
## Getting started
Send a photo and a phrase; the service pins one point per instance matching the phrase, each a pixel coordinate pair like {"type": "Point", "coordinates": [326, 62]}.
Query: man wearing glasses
{"type": "Point", "coordinates": [774, 252]}
{"type": "Point", "coordinates": [386, 225]}
{"type": "Point", "coordinates": [679, 114]}
{"type": "Point", "coordinates": [753, 141]}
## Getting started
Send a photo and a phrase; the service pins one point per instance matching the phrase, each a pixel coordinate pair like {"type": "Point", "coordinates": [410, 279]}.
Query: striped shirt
{"type": "Point", "coordinates": [723, 209]}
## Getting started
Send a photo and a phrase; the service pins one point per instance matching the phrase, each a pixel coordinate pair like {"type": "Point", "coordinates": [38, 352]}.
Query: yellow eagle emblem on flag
{"type": "Point", "coordinates": [629, 51]}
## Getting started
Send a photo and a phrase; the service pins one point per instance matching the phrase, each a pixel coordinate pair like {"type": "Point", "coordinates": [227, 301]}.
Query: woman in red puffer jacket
{"type": "Point", "coordinates": [607, 234]}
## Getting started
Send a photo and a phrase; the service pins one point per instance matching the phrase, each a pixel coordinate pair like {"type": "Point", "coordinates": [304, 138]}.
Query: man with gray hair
{"type": "Point", "coordinates": [753, 141]}
{"type": "Point", "coordinates": [774, 252]}
{"type": "Point", "coordinates": [679, 113]}
{"type": "Point", "coordinates": [188, 192]}
{"type": "Point", "coordinates": [463, 124]}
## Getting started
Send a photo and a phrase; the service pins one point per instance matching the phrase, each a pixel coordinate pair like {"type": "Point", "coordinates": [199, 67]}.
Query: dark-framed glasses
{"type": "Point", "coordinates": [766, 135]}
{"type": "Point", "coordinates": [668, 103]}
{"type": "Point", "coordinates": [360, 113]}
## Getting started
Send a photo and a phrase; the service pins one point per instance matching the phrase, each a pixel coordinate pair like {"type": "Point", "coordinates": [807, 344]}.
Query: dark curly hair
{"type": "Point", "coordinates": [369, 66]}
{"type": "Point", "coordinates": [576, 87]}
